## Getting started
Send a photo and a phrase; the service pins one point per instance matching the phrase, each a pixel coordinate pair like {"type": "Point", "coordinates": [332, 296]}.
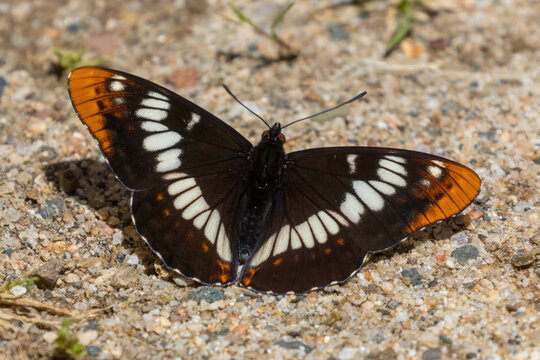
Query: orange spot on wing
{"type": "Point", "coordinates": [204, 247]}
{"type": "Point", "coordinates": [105, 139]}
{"type": "Point", "coordinates": [340, 242]}
{"type": "Point", "coordinates": [278, 261]}
{"type": "Point", "coordinates": [166, 212]}
{"type": "Point", "coordinates": [327, 251]}
{"type": "Point", "coordinates": [248, 277]}
{"type": "Point", "coordinates": [159, 197]}
{"type": "Point", "coordinates": [225, 271]}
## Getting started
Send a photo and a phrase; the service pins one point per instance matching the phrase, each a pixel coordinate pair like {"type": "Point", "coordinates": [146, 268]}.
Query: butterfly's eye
{"type": "Point", "coordinates": [282, 138]}
{"type": "Point", "coordinates": [265, 133]}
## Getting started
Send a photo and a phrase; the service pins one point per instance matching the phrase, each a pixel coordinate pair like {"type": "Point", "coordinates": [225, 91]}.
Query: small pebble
{"type": "Point", "coordinates": [465, 253]}
{"type": "Point", "coordinates": [18, 290]}
{"type": "Point", "coordinates": [72, 278]}
{"type": "Point", "coordinates": [432, 354]}
{"type": "Point", "coordinates": [206, 293]}
{"type": "Point", "coordinates": [87, 337]}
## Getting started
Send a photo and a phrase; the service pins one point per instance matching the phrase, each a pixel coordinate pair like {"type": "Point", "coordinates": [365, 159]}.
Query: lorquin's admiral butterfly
{"type": "Point", "coordinates": [218, 210]}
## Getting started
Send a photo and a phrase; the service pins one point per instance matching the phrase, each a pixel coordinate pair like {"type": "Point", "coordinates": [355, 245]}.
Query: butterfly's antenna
{"type": "Point", "coordinates": [357, 97]}
{"type": "Point", "coordinates": [248, 109]}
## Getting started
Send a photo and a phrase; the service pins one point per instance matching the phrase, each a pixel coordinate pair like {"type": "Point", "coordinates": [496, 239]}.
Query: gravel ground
{"type": "Point", "coordinates": [465, 85]}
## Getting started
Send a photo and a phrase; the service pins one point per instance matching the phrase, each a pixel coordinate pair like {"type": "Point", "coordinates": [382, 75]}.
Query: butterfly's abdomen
{"type": "Point", "coordinates": [264, 179]}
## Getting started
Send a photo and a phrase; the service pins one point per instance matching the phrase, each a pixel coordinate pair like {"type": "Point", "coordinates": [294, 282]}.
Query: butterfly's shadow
{"type": "Point", "coordinates": [92, 183]}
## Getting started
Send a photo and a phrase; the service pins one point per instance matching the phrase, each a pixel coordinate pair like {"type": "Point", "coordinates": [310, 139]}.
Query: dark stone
{"type": "Point", "coordinates": [537, 161]}
{"type": "Point", "coordinates": [445, 339]}
{"type": "Point", "coordinates": [9, 251]}
{"type": "Point", "coordinates": [93, 350]}
{"type": "Point", "coordinates": [393, 304]}
{"type": "Point", "coordinates": [53, 207]}
{"type": "Point", "coordinates": [48, 274]}
{"type": "Point", "coordinates": [432, 283]}
{"type": "Point", "coordinates": [383, 311]}
{"type": "Point", "coordinates": [338, 32]}
{"type": "Point", "coordinates": [432, 354]}
{"type": "Point", "coordinates": [294, 345]}
{"type": "Point", "coordinates": [91, 325]}
{"type": "Point", "coordinates": [414, 275]}
{"type": "Point", "coordinates": [294, 333]}
{"type": "Point", "coordinates": [3, 85]}
{"type": "Point", "coordinates": [206, 293]}
{"type": "Point", "coordinates": [465, 253]}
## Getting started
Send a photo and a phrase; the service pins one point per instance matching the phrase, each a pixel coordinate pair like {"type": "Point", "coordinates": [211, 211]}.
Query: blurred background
{"type": "Point", "coordinates": [454, 78]}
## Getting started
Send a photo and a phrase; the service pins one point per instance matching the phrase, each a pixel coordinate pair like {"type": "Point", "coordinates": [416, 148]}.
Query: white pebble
{"type": "Point", "coordinates": [18, 290]}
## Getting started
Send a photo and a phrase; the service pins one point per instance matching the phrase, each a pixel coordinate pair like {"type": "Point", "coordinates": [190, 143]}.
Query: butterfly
{"type": "Point", "coordinates": [218, 210]}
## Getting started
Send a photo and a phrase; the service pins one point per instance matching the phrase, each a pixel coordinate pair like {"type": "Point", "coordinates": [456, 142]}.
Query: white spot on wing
{"type": "Point", "coordinates": [390, 177]}
{"type": "Point", "coordinates": [222, 247]}
{"type": "Point", "coordinates": [339, 218]}
{"type": "Point", "coordinates": [304, 232]}
{"type": "Point", "coordinates": [352, 208]}
{"type": "Point", "coordinates": [425, 182]}
{"type": "Point", "coordinates": [116, 86]}
{"type": "Point", "coordinates": [318, 229]}
{"type": "Point", "coordinates": [369, 196]}
{"type": "Point", "coordinates": [157, 95]}
{"type": "Point", "coordinates": [181, 185]}
{"type": "Point", "coordinates": [168, 165]}
{"type": "Point", "coordinates": [212, 226]}
{"type": "Point", "coordinates": [295, 240]}
{"type": "Point", "coordinates": [435, 171]}
{"type": "Point", "coordinates": [330, 224]}
{"type": "Point", "coordinates": [197, 207]}
{"type": "Point", "coordinates": [187, 197]}
{"type": "Point", "coordinates": [351, 159]}
{"type": "Point", "coordinates": [152, 126]}
{"type": "Point", "coordinates": [264, 252]}
{"type": "Point", "coordinates": [396, 159]}
{"type": "Point", "coordinates": [383, 187]}
{"type": "Point", "coordinates": [174, 176]}
{"type": "Point", "coordinates": [151, 114]}
{"type": "Point", "coordinates": [169, 160]}
{"type": "Point", "coordinates": [118, 77]}
{"type": "Point", "coordinates": [195, 118]}
{"type": "Point", "coordinates": [154, 103]}
{"type": "Point", "coordinates": [119, 100]}
{"type": "Point", "coordinates": [201, 219]}
{"type": "Point", "coordinates": [161, 141]}
{"type": "Point", "coordinates": [390, 165]}
{"type": "Point", "coordinates": [282, 240]}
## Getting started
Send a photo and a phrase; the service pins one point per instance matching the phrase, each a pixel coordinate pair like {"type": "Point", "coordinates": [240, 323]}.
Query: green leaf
{"type": "Point", "coordinates": [280, 17]}
{"type": "Point", "coordinates": [401, 33]}
{"type": "Point", "coordinates": [241, 15]}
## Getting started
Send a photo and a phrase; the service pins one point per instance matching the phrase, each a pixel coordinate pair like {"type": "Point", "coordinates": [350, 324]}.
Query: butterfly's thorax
{"type": "Point", "coordinates": [267, 160]}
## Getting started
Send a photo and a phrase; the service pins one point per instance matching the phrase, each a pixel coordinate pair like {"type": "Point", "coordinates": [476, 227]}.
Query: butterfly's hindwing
{"type": "Point", "coordinates": [337, 204]}
{"type": "Point", "coordinates": [190, 223]}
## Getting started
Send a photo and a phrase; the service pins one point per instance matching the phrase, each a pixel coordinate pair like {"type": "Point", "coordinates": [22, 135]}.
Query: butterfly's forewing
{"type": "Point", "coordinates": [135, 121]}
{"type": "Point", "coordinates": [338, 204]}
{"type": "Point", "coordinates": [183, 165]}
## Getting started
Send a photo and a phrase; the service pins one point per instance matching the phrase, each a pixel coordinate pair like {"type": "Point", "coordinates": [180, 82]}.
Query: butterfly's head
{"type": "Point", "coordinates": [273, 135]}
